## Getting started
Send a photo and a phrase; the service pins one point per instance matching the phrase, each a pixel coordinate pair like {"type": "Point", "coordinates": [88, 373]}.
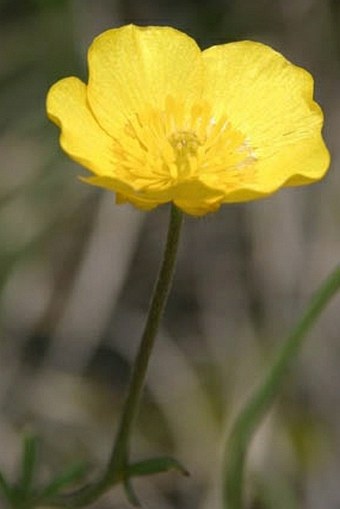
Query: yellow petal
{"type": "Point", "coordinates": [137, 202]}
{"type": "Point", "coordinates": [81, 136]}
{"type": "Point", "coordinates": [193, 197]}
{"type": "Point", "coordinates": [270, 101]}
{"type": "Point", "coordinates": [196, 198]}
{"type": "Point", "coordinates": [127, 192]}
{"type": "Point", "coordinates": [132, 68]}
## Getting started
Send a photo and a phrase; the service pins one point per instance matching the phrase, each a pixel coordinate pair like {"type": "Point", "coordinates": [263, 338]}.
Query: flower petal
{"type": "Point", "coordinates": [81, 136]}
{"type": "Point", "coordinates": [132, 67]}
{"type": "Point", "coordinates": [194, 197]}
{"type": "Point", "coordinates": [270, 101]}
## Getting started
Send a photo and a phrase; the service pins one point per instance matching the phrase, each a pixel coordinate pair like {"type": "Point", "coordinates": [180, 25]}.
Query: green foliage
{"type": "Point", "coordinates": [251, 415]}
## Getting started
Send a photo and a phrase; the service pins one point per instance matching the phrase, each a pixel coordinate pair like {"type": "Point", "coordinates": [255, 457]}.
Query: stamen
{"type": "Point", "coordinates": [180, 143]}
{"type": "Point", "coordinates": [185, 145]}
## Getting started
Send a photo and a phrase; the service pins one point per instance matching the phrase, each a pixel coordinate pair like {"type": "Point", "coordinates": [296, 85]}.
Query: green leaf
{"type": "Point", "coordinates": [249, 418]}
{"type": "Point", "coordinates": [69, 476]}
{"type": "Point", "coordinates": [5, 488]}
{"type": "Point", "coordinates": [131, 494]}
{"type": "Point", "coordinates": [148, 467]}
{"type": "Point", "coordinates": [156, 466]}
{"type": "Point", "coordinates": [28, 463]}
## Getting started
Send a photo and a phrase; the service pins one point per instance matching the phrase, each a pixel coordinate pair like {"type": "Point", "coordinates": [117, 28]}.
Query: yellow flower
{"type": "Point", "coordinates": [162, 121]}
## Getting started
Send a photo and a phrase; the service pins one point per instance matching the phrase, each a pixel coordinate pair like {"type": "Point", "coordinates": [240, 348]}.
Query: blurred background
{"type": "Point", "coordinates": [76, 273]}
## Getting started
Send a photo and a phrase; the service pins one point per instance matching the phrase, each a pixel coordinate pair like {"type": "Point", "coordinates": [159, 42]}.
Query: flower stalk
{"type": "Point", "coordinates": [120, 453]}
{"type": "Point", "coordinates": [251, 416]}
{"type": "Point", "coordinates": [119, 468]}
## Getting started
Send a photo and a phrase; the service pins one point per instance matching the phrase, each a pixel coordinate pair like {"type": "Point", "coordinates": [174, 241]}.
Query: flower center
{"type": "Point", "coordinates": [161, 148]}
{"type": "Point", "coordinates": [185, 145]}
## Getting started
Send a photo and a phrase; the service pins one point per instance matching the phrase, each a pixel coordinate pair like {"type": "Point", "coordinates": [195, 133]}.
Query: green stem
{"type": "Point", "coordinates": [117, 467]}
{"type": "Point", "coordinates": [250, 417]}
{"type": "Point", "coordinates": [120, 452]}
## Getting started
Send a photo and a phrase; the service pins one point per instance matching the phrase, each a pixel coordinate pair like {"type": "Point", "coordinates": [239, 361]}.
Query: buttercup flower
{"type": "Point", "coordinates": [162, 121]}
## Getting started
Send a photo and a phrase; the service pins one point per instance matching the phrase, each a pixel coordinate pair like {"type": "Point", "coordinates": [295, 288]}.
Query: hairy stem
{"type": "Point", "coordinates": [117, 469]}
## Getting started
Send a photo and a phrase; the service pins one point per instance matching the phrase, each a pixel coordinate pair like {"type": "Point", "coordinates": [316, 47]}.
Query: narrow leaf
{"type": "Point", "coordinates": [28, 463]}
{"type": "Point", "coordinates": [5, 488]}
{"type": "Point", "coordinates": [131, 494]}
{"type": "Point", "coordinates": [155, 466]}
{"type": "Point", "coordinates": [71, 475]}
{"type": "Point", "coordinates": [251, 415]}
